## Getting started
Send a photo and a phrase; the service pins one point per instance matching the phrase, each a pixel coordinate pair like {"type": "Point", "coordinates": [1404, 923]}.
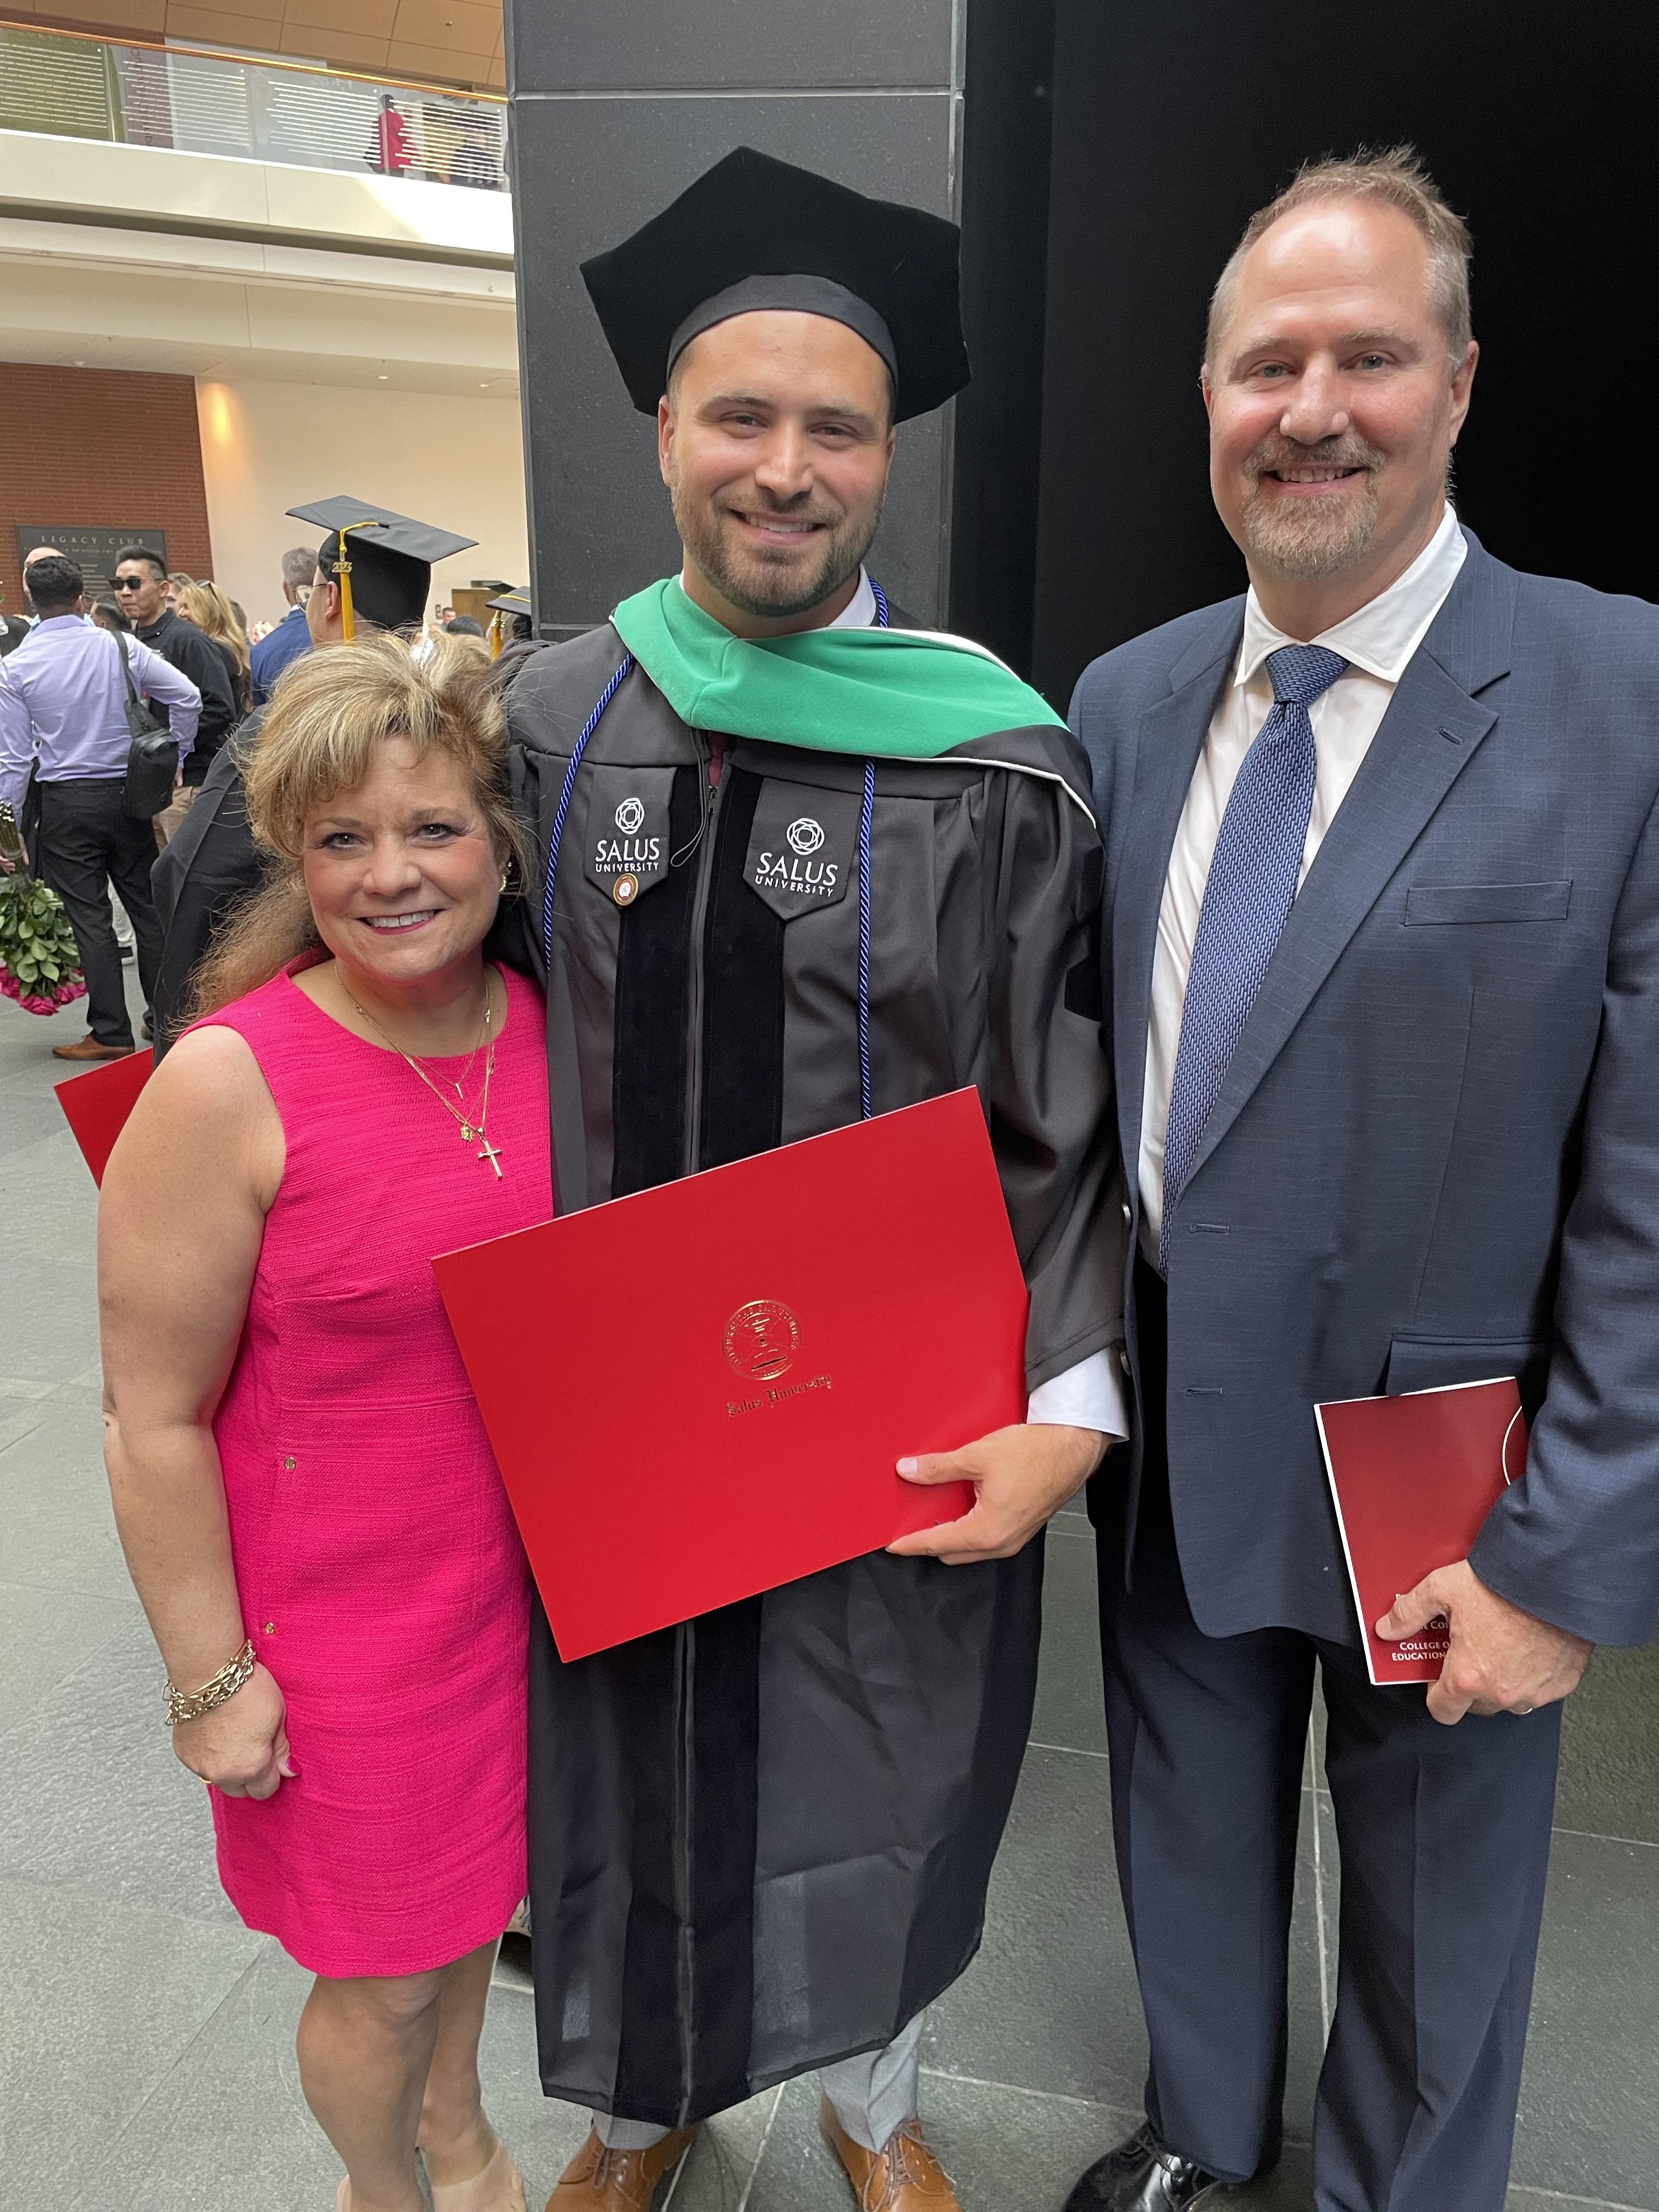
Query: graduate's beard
{"type": "Point", "coordinates": [747, 580]}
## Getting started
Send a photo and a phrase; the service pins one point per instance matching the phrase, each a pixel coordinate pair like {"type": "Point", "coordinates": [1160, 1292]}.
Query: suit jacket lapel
{"type": "Point", "coordinates": [1431, 732]}
{"type": "Point", "coordinates": [1167, 746]}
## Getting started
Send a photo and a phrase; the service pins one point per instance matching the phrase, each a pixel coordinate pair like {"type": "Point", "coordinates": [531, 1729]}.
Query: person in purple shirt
{"type": "Point", "coordinates": [64, 729]}
{"type": "Point", "coordinates": [292, 635]}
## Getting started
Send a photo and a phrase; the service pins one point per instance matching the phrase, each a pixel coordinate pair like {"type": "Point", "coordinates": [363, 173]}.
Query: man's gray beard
{"type": "Point", "coordinates": [842, 557]}
{"type": "Point", "coordinates": [1300, 541]}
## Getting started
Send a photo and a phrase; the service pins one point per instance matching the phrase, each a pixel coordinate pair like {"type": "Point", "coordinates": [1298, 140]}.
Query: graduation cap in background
{"type": "Point", "coordinates": [382, 561]}
{"type": "Point", "coordinates": [511, 606]}
{"type": "Point", "coordinates": [753, 233]}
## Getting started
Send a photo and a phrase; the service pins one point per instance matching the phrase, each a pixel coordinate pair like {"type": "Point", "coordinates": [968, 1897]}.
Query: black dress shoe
{"type": "Point", "coordinates": [1141, 2176]}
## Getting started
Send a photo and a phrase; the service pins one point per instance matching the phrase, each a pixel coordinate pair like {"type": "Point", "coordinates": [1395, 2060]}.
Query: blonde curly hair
{"type": "Point", "coordinates": [328, 713]}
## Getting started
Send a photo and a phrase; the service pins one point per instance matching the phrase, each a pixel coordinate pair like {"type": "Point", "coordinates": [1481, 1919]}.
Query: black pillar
{"type": "Point", "coordinates": [944, 103]}
{"type": "Point", "coordinates": [617, 107]}
{"type": "Point", "coordinates": [1005, 215]}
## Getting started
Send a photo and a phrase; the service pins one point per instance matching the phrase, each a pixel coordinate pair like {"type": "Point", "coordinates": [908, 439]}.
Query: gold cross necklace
{"type": "Point", "coordinates": [471, 1124]}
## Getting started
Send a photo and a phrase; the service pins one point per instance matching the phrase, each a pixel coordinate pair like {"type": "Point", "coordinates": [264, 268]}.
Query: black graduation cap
{"type": "Point", "coordinates": [511, 602]}
{"type": "Point", "coordinates": [752, 233]}
{"type": "Point", "coordinates": [390, 557]}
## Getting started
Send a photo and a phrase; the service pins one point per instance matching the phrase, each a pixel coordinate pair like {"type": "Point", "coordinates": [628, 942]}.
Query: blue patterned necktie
{"type": "Point", "coordinates": [1247, 901]}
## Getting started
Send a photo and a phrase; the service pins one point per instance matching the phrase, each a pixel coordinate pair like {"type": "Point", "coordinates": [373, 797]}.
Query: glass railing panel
{"type": "Point", "coordinates": [50, 83]}
{"type": "Point", "coordinates": [195, 101]}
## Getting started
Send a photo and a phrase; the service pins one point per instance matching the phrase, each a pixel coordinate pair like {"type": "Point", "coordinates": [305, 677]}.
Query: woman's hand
{"type": "Point", "coordinates": [240, 1746]}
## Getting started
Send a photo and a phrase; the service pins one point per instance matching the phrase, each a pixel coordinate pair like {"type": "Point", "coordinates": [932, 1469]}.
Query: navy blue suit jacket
{"type": "Point", "coordinates": [1435, 1156]}
{"type": "Point", "coordinates": [275, 649]}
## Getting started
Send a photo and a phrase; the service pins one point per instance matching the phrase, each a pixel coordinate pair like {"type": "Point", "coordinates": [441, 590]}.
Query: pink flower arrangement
{"type": "Point", "coordinates": [31, 1002]}
{"type": "Point", "coordinates": [39, 959]}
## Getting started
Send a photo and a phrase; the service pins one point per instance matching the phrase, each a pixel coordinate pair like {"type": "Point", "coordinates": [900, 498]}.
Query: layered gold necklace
{"type": "Point", "coordinates": [472, 1126]}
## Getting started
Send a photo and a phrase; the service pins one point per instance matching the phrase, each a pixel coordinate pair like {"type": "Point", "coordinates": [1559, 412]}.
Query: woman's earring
{"type": "Point", "coordinates": [501, 886]}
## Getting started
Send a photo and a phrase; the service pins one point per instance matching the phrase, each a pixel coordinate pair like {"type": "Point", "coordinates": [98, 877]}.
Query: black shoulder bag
{"type": "Point", "coordinates": [153, 761]}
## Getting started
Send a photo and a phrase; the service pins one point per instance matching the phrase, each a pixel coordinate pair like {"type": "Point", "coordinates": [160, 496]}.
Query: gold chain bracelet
{"type": "Point", "coordinates": [190, 1706]}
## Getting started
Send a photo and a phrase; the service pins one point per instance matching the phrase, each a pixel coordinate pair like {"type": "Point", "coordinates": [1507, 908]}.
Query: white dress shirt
{"type": "Point", "coordinates": [1090, 1394]}
{"type": "Point", "coordinates": [859, 612]}
{"type": "Point", "coordinates": [63, 704]}
{"type": "Point", "coordinates": [1376, 643]}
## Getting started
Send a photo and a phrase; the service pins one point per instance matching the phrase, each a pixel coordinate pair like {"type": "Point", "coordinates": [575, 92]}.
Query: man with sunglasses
{"type": "Point", "coordinates": [141, 588]}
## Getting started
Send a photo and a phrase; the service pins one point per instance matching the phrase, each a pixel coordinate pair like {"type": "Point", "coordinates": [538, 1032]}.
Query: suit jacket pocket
{"type": "Point", "coordinates": [1439, 903]}
{"type": "Point", "coordinates": [1429, 1363]}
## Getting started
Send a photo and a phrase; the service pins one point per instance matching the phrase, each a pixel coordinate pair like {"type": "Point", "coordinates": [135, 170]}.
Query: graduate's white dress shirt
{"type": "Point", "coordinates": [1376, 643]}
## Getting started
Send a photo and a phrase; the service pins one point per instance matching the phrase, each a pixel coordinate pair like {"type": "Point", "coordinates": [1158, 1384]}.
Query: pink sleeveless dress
{"type": "Point", "coordinates": [381, 1573]}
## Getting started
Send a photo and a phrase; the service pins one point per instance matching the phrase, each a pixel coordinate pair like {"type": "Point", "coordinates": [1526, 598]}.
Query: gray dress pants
{"type": "Point", "coordinates": [873, 2095]}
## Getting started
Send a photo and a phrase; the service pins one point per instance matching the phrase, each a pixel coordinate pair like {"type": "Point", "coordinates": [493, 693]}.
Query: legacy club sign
{"type": "Point", "coordinates": [92, 551]}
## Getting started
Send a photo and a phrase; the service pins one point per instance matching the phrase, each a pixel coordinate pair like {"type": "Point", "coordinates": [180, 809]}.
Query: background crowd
{"type": "Point", "coordinates": [66, 724]}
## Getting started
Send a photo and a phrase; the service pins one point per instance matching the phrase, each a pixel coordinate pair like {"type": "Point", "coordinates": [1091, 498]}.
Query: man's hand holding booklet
{"type": "Point", "coordinates": [1414, 1478]}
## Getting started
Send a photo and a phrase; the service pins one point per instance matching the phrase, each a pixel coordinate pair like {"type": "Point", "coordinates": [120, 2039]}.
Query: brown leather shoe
{"type": "Point", "coordinates": [903, 2176]}
{"type": "Point", "coordinates": [601, 2180]}
{"type": "Point", "coordinates": [89, 1049]}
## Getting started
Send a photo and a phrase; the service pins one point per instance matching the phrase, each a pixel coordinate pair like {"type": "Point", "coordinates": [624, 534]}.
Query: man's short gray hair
{"type": "Point", "coordinates": [1395, 175]}
{"type": "Point", "coordinates": [299, 566]}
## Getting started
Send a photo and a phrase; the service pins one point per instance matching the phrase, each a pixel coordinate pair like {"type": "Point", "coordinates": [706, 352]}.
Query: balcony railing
{"type": "Point", "coordinates": [198, 101]}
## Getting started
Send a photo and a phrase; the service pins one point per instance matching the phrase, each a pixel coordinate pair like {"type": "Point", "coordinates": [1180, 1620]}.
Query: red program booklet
{"type": "Point", "coordinates": [96, 1105]}
{"type": "Point", "coordinates": [1414, 1478]}
{"type": "Point", "coordinates": [699, 1392]}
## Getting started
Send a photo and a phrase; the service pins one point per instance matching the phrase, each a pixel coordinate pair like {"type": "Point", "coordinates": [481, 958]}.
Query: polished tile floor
{"type": "Point", "coordinates": [146, 2038]}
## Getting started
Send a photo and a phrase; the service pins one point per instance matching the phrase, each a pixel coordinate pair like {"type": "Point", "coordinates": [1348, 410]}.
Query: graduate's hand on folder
{"type": "Point", "coordinates": [1022, 1475]}
{"type": "Point", "coordinates": [1501, 1660]}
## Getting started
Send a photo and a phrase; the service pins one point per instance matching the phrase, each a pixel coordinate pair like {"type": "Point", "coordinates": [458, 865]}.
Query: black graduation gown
{"type": "Point", "coordinates": [203, 873]}
{"type": "Point", "coordinates": [761, 1842]}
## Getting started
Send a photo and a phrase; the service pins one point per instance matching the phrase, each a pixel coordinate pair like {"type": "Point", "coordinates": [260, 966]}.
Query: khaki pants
{"type": "Point", "coordinates": [171, 820]}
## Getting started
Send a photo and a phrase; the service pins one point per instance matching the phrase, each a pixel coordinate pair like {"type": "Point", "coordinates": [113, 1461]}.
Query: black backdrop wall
{"type": "Point", "coordinates": [1102, 156]}
{"type": "Point", "coordinates": [1174, 118]}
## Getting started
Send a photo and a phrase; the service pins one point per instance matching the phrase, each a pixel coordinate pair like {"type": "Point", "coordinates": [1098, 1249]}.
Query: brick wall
{"type": "Point", "coordinates": [102, 449]}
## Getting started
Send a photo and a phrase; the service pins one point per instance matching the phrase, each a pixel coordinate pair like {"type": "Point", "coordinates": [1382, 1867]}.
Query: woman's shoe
{"type": "Point", "coordinates": [499, 2188]}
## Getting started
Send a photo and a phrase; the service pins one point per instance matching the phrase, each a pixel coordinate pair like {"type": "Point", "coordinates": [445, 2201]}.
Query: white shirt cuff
{"type": "Point", "coordinates": [1087, 1396]}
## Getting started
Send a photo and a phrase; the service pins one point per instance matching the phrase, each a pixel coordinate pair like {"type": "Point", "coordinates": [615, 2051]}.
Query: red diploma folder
{"type": "Point", "coordinates": [699, 1392]}
{"type": "Point", "coordinates": [1414, 1478]}
{"type": "Point", "coordinates": [96, 1105]}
